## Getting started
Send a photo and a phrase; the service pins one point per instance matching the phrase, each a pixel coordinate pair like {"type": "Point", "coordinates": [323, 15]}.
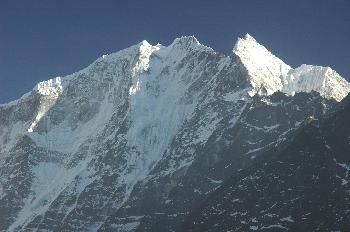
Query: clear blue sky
{"type": "Point", "coordinates": [43, 39]}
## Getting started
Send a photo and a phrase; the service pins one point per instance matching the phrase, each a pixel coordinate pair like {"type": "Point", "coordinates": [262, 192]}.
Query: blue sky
{"type": "Point", "coordinates": [43, 39]}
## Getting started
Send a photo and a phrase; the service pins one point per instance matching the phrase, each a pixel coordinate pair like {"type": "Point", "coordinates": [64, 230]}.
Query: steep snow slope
{"type": "Point", "coordinates": [78, 150]}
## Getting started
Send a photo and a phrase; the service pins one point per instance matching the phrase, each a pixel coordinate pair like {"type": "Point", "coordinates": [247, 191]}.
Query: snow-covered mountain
{"type": "Point", "coordinates": [140, 137]}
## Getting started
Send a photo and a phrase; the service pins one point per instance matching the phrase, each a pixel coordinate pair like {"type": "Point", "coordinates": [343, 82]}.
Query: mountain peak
{"type": "Point", "coordinates": [52, 87]}
{"type": "Point", "coordinates": [249, 37]}
{"type": "Point", "coordinates": [192, 42]}
{"type": "Point", "coordinates": [145, 47]}
{"type": "Point", "coordinates": [263, 67]}
{"type": "Point", "coordinates": [144, 43]}
{"type": "Point", "coordinates": [186, 40]}
{"type": "Point", "coordinates": [269, 72]}
{"type": "Point", "coordinates": [246, 40]}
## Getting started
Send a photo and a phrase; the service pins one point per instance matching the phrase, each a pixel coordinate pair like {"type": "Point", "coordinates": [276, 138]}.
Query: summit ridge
{"type": "Point", "coordinates": [266, 71]}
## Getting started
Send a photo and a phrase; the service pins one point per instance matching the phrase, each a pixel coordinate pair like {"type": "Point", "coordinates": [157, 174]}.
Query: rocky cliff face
{"type": "Point", "coordinates": [141, 137]}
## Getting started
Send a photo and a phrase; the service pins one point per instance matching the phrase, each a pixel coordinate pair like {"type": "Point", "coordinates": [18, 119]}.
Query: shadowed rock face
{"type": "Point", "coordinates": [302, 187]}
{"type": "Point", "coordinates": [140, 138]}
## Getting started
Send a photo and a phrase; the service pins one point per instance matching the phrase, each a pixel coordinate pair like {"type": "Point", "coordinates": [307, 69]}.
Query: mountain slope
{"type": "Point", "coordinates": [304, 187]}
{"type": "Point", "coordinates": [162, 203]}
{"type": "Point", "coordinates": [92, 150]}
